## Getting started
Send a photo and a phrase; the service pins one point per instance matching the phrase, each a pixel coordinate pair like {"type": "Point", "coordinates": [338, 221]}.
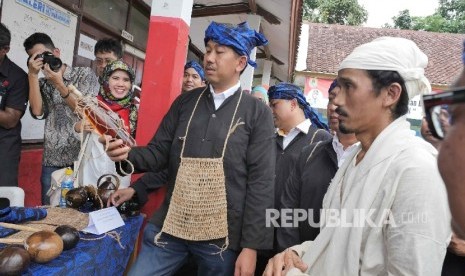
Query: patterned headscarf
{"type": "Point", "coordinates": [118, 104]}
{"type": "Point", "coordinates": [242, 39]}
{"type": "Point", "coordinates": [197, 67]}
{"type": "Point", "coordinates": [289, 91]}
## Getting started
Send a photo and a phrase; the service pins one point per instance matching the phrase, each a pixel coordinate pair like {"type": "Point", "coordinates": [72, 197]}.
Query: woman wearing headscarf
{"type": "Point", "coordinates": [261, 92]}
{"type": "Point", "coordinates": [116, 93]}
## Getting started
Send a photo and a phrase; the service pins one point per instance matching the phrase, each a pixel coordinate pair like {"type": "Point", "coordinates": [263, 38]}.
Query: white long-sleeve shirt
{"type": "Point", "coordinates": [398, 183]}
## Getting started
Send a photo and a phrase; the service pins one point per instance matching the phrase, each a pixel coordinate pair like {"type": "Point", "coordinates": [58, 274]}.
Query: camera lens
{"type": "Point", "coordinates": [55, 64]}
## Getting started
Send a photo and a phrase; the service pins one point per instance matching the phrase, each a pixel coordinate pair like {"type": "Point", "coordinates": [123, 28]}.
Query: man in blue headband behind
{"type": "Point", "coordinates": [194, 76]}
{"type": "Point", "coordinates": [224, 224]}
{"type": "Point", "coordinates": [297, 126]}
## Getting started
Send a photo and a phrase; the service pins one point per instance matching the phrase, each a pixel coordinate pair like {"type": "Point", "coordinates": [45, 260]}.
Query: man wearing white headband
{"type": "Point", "coordinates": [386, 208]}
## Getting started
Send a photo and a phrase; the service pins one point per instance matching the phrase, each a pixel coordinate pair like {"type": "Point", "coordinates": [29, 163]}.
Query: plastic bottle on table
{"type": "Point", "coordinates": [66, 184]}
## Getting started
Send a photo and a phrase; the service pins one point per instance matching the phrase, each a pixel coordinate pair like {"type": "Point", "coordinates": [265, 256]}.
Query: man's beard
{"type": "Point", "coordinates": [341, 112]}
{"type": "Point", "coordinates": [344, 130]}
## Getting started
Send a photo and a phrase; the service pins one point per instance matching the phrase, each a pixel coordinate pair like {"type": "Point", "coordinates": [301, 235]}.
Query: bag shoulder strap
{"type": "Point", "coordinates": [314, 135]}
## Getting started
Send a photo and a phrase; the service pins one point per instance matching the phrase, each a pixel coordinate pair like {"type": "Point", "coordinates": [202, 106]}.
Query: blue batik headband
{"type": "Point", "coordinates": [288, 91]}
{"type": "Point", "coordinates": [197, 67]}
{"type": "Point", "coordinates": [242, 39]}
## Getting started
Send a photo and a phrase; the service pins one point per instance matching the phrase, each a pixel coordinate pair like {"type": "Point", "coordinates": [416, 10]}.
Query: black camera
{"type": "Point", "coordinates": [54, 62]}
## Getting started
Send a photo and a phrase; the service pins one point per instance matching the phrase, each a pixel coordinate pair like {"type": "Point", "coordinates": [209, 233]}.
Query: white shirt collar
{"type": "Point", "coordinates": [304, 126]}
{"type": "Point", "coordinates": [227, 93]}
{"type": "Point", "coordinates": [336, 143]}
{"type": "Point", "coordinates": [339, 149]}
{"type": "Point", "coordinates": [221, 97]}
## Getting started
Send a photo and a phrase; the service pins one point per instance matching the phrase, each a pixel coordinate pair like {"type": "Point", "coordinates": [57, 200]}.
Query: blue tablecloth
{"type": "Point", "coordinates": [102, 256]}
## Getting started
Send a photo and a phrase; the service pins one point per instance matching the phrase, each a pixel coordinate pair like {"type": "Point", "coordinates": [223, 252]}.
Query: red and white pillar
{"type": "Point", "coordinates": [164, 63]}
{"type": "Point", "coordinates": [163, 71]}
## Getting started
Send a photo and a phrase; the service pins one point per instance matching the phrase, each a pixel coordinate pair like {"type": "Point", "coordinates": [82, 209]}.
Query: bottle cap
{"type": "Point", "coordinates": [68, 171]}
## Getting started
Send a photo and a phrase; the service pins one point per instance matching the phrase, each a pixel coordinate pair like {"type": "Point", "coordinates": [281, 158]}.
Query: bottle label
{"type": "Point", "coordinates": [64, 191]}
{"type": "Point", "coordinates": [66, 185]}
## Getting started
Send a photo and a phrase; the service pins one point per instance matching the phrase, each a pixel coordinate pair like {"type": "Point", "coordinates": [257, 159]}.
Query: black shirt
{"type": "Point", "coordinates": [249, 161]}
{"type": "Point", "coordinates": [13, 94]}
{"type": "Point", "coordinates": [14, 87]}
{"type": "Point", "coordinates": [286, 158]}
{"type": "Point", "coordinates": [305, 189]}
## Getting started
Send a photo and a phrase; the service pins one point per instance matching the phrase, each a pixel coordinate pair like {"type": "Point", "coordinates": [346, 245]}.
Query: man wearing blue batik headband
{"type": "Point", "coordinates": [242, 39]}
{"type": "Point", "coordinates": [289, 91]}
{"type": "Point", "coordinates": [218, 124]}
{"type": "Point", "coordinates": [297, 126]}
{"type": "Point", "coordinates": [194, 76]}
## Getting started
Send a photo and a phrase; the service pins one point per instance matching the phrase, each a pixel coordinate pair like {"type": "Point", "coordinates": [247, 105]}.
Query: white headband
{"type": "Point", "coordinates": [393, 54]}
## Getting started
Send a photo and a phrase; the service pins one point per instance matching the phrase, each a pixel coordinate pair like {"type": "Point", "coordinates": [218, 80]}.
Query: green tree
{"type": "Point", "coordinates": [448, 18]}
{"type": "Point", "coordinates": [342, 12]}
{"type": "Point", "coordinates": [403, 20]}
{"type": "Point", "coordinates": [452, 9]}
{"type": "Point", "coordinates": [435, 23]}
{"type": "Point", "coordinates": [309, 9]}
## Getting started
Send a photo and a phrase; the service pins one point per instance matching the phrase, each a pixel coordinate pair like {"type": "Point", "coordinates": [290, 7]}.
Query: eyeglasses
{"type": "Point", "coordinates": [438, 110]}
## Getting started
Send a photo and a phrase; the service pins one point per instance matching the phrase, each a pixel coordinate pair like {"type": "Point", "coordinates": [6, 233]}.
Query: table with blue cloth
{"type": "Point", "coordinates": [95, 254]}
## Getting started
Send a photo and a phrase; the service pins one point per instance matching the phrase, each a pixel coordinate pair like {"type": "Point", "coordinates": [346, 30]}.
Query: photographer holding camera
{"type": "Point", "coordinates": [50, 99]}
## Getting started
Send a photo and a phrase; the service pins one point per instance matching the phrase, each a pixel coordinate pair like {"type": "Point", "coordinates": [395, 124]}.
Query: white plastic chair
{"type": "Point", "coordinates": [14, 194]}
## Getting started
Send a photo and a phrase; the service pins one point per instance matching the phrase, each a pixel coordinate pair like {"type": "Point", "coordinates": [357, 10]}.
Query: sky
{"type": "Point", "coordinates": [382, 11]}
